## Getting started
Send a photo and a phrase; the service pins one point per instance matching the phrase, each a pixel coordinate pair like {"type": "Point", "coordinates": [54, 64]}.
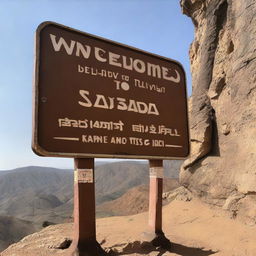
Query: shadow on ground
{"type": "Point", "coordinates": [147, 248]}
{"type": "Point", "coordinates": [189, 251]}
{"type": "Point", "coordinates": [160, 246]}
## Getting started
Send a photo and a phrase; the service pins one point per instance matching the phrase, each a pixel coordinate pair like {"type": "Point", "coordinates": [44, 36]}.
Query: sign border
{"type": "Point", "coordinates": [35, 144]}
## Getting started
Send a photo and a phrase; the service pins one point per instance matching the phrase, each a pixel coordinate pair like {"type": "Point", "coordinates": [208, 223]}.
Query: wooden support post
{"type": "Point", "coordinates": [155, 196]}
{"type": "Point", "coordinates": [84, 240]}
{"type": "Point", "coordinates": [155, 234]}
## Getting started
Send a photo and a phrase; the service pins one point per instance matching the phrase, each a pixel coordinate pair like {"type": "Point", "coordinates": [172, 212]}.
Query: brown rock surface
{"type": "Point", "coordinates": [192, 227]}
{"type": "Point", "coordinates": [221, 168]}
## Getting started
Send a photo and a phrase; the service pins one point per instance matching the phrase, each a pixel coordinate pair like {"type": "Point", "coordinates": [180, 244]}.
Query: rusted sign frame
{"type": "Point", "coordinates": [35, 144]}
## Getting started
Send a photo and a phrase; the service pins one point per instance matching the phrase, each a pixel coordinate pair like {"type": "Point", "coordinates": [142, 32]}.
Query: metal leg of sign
{"type": "Point", "coordinates": [155, 234]}
{"type": "Point", "coordinates": [155, 195]}
{"type": "Point", "coordinates": [84, 241]}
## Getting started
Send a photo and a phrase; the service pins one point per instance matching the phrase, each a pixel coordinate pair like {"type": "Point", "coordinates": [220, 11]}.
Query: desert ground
{"type": "Point", "coordinates": [193, 228]}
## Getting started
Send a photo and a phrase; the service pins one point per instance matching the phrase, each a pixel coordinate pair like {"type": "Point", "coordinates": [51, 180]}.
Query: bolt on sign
{"type": "Point", "coordinates": [97, 98]}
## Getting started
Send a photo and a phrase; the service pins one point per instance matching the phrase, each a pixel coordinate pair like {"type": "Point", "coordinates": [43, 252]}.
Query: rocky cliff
{"type": "Point", "coordinates": [222, 166]}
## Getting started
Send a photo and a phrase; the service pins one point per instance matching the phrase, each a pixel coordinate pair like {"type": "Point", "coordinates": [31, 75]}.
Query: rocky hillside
{"type": "Point", "coordinates": [134, 201]}
{"type": "Point", "coordinates": [13, 229]}
{"type": "Point", "coordinates": [221, 169]}
{"type": "Point", "coordinates": [34, 193]}
{"type": "Point", "coordinates": [45, 195]}
{"type": "Point", "coordinates": [38, 193]}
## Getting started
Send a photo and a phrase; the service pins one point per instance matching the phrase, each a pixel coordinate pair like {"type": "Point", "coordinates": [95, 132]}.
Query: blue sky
{"type": "Point", "coordinates": [157, 26]}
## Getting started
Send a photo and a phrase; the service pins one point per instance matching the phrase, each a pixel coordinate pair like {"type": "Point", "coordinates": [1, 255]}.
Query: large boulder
{"type": "Point", "coordinates": [222, 165]}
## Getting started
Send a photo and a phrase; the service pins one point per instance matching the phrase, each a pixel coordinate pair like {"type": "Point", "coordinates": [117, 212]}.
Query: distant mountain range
{"type": "Point", "coordinates": [38, 195]}
{"type": "Point", "coordinates": [31, 193]}
{"type": "Point", "coordinates": [134, 201]}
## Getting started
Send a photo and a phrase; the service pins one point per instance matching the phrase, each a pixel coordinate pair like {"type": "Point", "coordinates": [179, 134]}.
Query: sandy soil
{"type": "Point", "coordinates": [192, 227]}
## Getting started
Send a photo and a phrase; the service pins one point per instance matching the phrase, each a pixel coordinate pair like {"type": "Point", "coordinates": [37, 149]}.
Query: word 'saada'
{"type": "Point", "coordinates": [79, 49]}
{"type": "Point", "coordinates": [118, 103]}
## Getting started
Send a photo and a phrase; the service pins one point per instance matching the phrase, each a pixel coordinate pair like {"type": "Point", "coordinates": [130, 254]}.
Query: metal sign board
{"type": "Point", "coordinates": [97, 98]}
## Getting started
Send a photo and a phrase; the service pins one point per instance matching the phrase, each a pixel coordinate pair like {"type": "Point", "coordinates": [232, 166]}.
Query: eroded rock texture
{"type": "Point", "coordinates": [222, 165]}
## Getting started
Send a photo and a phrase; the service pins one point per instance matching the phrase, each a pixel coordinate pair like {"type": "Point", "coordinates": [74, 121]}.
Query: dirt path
{"type": "Point", "coordinates": [192, 227]}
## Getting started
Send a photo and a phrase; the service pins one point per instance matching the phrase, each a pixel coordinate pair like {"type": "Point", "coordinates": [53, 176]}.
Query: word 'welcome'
{"type": "Point", "coordinates": [81, 50]}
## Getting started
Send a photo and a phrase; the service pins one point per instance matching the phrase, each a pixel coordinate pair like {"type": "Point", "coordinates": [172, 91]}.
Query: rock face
{"type": "Point", "coordinates": [222, 165]}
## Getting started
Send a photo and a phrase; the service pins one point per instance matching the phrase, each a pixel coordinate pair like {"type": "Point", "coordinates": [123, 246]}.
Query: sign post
{"type": "Point", "coordinates": [97, 98]}
{"type": "Point", "coordinates": [155, 233]}
{"type": "Point", "coordinates": [84, 240]}
{"type": "Point", "coordinates": [155, 196]}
